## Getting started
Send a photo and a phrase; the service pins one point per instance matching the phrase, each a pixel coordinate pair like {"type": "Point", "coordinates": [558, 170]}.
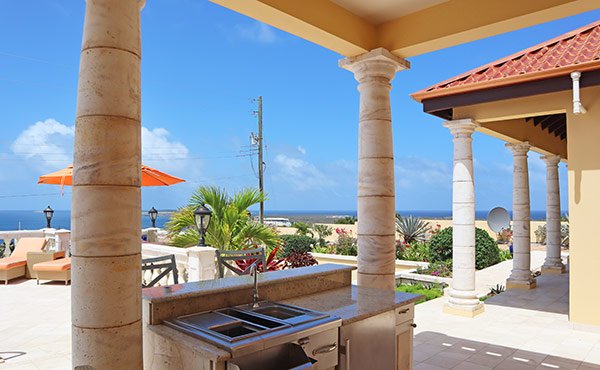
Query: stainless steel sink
{"type": "Point", "coordinates": [244, 329]}
{"type": "Point", "coordinates": [285, 313]}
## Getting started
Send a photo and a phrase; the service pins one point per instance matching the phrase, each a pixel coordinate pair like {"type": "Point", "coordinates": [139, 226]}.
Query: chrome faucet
{"type": "Point", "coordinates": [254, 272]}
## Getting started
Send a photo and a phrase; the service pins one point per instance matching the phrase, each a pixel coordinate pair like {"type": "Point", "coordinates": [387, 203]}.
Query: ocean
{"type": "Point", "coordinates": [32, 220]}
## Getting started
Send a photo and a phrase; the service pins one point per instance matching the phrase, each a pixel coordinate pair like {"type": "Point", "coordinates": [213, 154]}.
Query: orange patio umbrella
{"type": "Point", "coordinates": [150, 177]}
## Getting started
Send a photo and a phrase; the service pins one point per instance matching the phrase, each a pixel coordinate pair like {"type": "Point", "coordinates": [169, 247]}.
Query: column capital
{"type": "Point", "coordinates": [464, 127]}
{"type": "Point", "coordinates": [375, 63]}
{"type": "Point", "coordinates": [551, 160]}
{"type": "Point", "coordinates": [519, 148]}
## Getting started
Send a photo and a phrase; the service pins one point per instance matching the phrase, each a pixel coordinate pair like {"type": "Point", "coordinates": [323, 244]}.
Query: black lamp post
{"type": "Point", "coordinates": [153, 213]}
{"type": "Point", "coordinates": [49, 212]}
{"type": "Point", "coordinates": [202, 218]}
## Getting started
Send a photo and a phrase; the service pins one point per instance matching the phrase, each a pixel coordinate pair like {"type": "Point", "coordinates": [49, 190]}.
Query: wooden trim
{"type": "Point", "coordinates": [437, 106]}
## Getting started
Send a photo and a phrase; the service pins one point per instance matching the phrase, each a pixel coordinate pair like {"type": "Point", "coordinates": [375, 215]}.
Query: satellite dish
{"type": "Point", "coordinates": [498, 219]}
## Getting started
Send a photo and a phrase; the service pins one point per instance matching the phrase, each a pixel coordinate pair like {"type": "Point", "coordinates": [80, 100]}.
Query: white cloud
{"type": "Point", "coordinates": [49, 142]}
{"type": "Point", "coordinates": [415, 171]}
{"type": "Point", "coordinates": [302, 150]}
{"type": "Point", "coordinates": [258, 32]}
{"type": "Point", "coordinates": [300, 174]}
{"type": "Point", "coordinates": [158, 151]}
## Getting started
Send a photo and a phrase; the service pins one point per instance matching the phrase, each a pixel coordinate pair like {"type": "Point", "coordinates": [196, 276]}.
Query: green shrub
{"type": "Point", "coordinates": [346, 220]}
{"type": "Point", "coordinates": [418, 251]}
{"type": "Point", "coordinates": [347, 245]}
{"type": "Point", "coordinates": [296, 244]}
{"type": "Point", "coordinates": [429, 293]}
{"type": "Point", "coordinates": [505, 255]}
{"type": "Point", "coordinates": [323, 231]}
{"type": "Point", "coordinates": [303, 228]}
{"type": "Point", "coordinates": [440, 245]}
{"type": "Point", "coordinates": [487, 252]}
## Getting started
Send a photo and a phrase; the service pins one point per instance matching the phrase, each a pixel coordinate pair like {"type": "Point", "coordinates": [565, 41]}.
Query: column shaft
{"type": "Point", "coordinates": [376, 196]}
{"type": "Point", "coordinates": [463, 297]}
{"type": "Point", "coordinates": [553, 262]}
{"type": "Point", "coordinates": [106, 250]}
{"type": "Point", "coordinates": [520, 276]}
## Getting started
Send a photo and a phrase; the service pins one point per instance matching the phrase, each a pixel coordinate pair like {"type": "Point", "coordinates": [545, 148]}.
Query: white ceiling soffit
{"type": "Point", "coordinates": [381, 11]}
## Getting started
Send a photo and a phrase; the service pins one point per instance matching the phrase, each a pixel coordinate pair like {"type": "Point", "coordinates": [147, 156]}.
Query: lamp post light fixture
{"type": "Point", "coordinates": [49, 212]}
{"type": "Point", "coordinates": [153, 213]}
{"type": "Point", "coordinates": [202, 216]}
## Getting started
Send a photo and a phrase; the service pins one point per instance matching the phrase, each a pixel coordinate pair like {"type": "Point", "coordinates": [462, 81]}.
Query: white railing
{"type": "Point", "coordinates": [58, 240]}
{"type": "Point", "coordinates": [193, 264]}
{"type": "Point", "coordinates": [181, 260]}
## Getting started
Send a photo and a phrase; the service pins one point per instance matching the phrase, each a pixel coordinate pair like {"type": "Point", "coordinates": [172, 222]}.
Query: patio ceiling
{"type": "Point", "coordinates": [406, 27]}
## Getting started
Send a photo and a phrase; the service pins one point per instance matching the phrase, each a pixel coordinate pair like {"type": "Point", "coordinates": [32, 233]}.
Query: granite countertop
{"type": "Point", "coordinates": [353, 303]}
{"type": "Point", "coordinates": [233, 283]}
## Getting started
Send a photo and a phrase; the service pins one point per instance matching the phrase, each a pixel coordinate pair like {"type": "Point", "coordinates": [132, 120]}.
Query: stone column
{"type": "Point", "coordinates": [201, 263]}
{"type": "Point", "coordinates": [463, 297]}
{"type": "Point", "coordinates": [106, 205]}
{"type": "Point", "coordinates": [553, 262]}
{"type": "Point", "coordinates": [376, 197]}
{"type": "Point", "coordinates": [520, 277]}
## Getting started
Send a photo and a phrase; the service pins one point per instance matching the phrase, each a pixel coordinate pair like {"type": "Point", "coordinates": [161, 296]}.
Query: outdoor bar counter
{"type": "Point", "coordinates": [363, 313]}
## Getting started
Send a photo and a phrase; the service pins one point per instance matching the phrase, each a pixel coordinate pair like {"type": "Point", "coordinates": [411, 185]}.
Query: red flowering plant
{"type": "Point", "coordinates": [273, 263]}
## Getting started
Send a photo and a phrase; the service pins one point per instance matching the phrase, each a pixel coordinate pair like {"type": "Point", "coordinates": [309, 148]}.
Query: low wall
{"type": "Point", "coordinates": [482, 224]}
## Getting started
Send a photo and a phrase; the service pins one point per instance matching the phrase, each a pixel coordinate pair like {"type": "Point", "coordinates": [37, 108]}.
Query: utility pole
{"type": "Point", "coordinates": [261, 164]}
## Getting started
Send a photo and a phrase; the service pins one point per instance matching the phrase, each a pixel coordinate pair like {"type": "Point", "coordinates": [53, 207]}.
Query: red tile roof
{"type": "Point", "coordinates": [576, 50]}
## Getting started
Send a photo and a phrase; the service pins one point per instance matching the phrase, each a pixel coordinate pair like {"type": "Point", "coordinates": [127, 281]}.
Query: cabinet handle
{"type": "Point", "coordinates": [413, 325]}
{"type": "Point", "coordinates": [347, 354]}
{"type": "Point", "coordinates": [404, 311]}
{"type": "Point", "coordinates": [324, 349]}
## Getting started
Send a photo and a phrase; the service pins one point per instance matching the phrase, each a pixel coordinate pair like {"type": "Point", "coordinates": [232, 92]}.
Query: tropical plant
{"type": "Point", "coordinates": [297, 244]}
{"type": "Point", "coordinates": [411, 228]}
{"type": "Point", "coordinates": [273, 264]}
{"type": "Point", "coordinates": [497, 290]}
{"type": "Point", "coordinates": [300, 259]}
{"type": "Point", "coordinates": [230, 228]}
{"type": "Point", "coordinates": [346, 220]}
{"type": "Point", "coordinates": [487, 252]}
{"type": "Point", "coordinates": [303, 228]}
{"type": "Point", "coordinates": [323, 231]}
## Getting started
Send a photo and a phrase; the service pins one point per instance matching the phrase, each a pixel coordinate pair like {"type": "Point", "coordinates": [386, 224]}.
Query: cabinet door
{"type": "Point", "coordinates": [404, 345]}
{"type": "Point", "coordinates": [371, 342]}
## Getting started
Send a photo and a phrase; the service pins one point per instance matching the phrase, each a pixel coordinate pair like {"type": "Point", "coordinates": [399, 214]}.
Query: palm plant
{"type": "Point", "coordinates": [231, 227]}
{"type": "Point", "coordinates": [411, 228]}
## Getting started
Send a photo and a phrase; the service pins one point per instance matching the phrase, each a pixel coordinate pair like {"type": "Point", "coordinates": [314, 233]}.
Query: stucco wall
{"type": "Point", "coordinates": [584, 209]}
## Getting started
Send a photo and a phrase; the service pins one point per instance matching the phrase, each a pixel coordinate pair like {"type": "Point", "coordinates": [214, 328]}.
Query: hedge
{"type": "Point", "coordinates": [487, 252]}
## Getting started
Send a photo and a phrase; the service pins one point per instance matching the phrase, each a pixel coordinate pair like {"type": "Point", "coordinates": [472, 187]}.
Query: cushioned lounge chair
{"type": "Point", "coordinates": [59, 269]}
{"type": "Point", "coordinates": [16, 265]}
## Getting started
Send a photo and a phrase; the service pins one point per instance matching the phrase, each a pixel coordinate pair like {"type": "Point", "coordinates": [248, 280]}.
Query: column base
{"type": "Point", "coordinates": [464, 311]}
{"type": "Point", "coordinates": [521, 284]}
{"type": "Point", "coordinates": [554, 270]}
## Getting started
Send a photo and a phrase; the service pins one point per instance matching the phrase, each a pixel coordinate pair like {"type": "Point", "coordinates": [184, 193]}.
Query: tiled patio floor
{"type": "Point", "coordinates": [35, 326]}
{"type": "Point", "coordinates": [519, 330]}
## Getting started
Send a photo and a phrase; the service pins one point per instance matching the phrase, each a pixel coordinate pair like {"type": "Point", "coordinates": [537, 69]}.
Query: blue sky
{"type": "Point", "coordinates": [202, 67]}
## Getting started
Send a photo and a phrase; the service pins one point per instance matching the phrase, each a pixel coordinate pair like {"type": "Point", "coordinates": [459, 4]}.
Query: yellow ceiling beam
{"type": "Point", "coordinates": [319, 21]}
{"type": "Point", "coordinates": [459, 21]}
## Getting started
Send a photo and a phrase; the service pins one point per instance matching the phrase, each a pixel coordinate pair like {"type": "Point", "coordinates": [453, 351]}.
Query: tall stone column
{"type": "Point", "coordinates": [553, 262]}
{"type": "Point", "coordinates": [376, 196]}
{"type": "Point", "coordinates": [106, 205]}
{"type": "Point", "coordinates": [520, 276]}
{"type": "Point", "coordinates": [463, 297]}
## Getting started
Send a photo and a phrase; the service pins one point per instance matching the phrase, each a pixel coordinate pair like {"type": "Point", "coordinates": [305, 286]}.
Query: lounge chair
{"type": "Point", "coordinates": [59, 269]}
{"type": "Point", "coordinates": [16, 265]}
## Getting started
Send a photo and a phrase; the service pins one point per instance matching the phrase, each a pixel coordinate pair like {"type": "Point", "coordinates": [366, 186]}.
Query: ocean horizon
{"type": "Point", "coordinates": [35, 219]}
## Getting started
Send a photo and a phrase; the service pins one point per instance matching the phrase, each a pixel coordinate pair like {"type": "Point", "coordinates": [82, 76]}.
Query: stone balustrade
{"type": "Point", "coordinates": [193, 264]}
